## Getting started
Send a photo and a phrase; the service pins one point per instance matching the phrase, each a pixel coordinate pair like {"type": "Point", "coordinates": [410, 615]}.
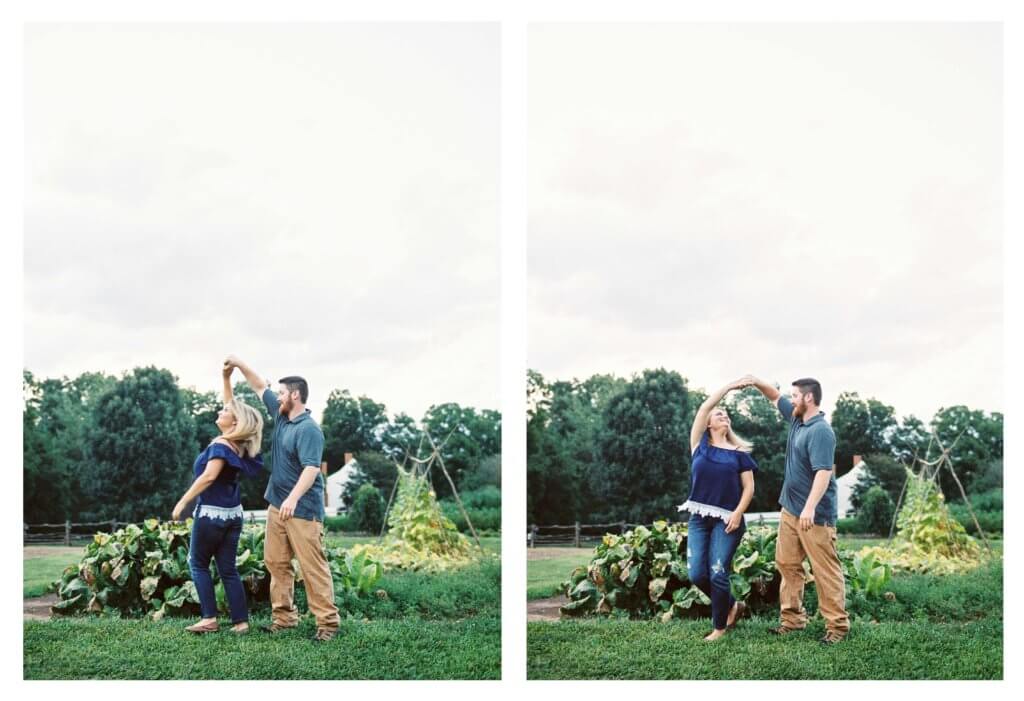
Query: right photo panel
{"type": "Point", "coordinates": [764, 407]}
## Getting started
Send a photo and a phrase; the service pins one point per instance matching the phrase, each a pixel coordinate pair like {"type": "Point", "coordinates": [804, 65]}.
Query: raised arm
{"type": "Point", "coordinates": [700, 420]}
{"type": "Point", "coordinates": [255, 381]}
{"type": "Point", "coordinates": [227, 392]}
{"type": "Point", "coordinates": [764, 388]}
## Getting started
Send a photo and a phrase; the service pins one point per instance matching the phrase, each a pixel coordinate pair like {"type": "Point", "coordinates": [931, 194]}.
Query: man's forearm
{"type": "Point", "coordinates": [306, 479]}
{"type": "Point", "coordinates": [255, 381]}
{"type": "Point", "coordinates": [766, 389]}
{"type": "Point", "coordinates": [821, 480]}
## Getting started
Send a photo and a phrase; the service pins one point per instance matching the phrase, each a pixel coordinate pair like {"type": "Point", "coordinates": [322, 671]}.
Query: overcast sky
{"type": "Point", "coordinates": [320, 200]}
{"type": "Point", "coordinates": [786, 200]}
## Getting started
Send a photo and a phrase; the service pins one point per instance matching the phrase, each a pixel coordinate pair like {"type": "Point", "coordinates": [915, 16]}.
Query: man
{"type": "Point", "coordinates": [295, 513]}
{"type": "Point", "coordinates": [808, 522]}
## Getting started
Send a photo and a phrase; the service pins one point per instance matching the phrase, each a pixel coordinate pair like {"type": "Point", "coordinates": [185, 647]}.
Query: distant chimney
{"type": "Point", "coordinates": [348, 458]}
{"type": "Point", "coordinates": [856, 460]}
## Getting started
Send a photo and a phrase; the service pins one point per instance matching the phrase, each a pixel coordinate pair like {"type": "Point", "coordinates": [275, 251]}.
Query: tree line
{"type": "Point", "coordinates": [608, 448]}
{"type": "Point", "coordinates": [97, 447]}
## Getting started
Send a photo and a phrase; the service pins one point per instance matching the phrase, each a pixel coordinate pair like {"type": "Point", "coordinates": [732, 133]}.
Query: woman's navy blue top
{"type": "Point", "coordinates": [225, 490]}
{"type": "Point", "coordinates": [715, 485]}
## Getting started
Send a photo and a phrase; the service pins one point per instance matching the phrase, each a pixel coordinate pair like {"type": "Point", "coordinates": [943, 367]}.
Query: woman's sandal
{"type": "Point", "coordinates": [741, 608]}
{"type": "Point", "coordinates": [239, 631]}
{"type": "Point", "coordinates": [201, 628]}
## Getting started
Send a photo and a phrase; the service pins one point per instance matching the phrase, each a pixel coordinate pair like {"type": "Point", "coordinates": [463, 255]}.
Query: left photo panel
{"type": "Point", "coordinates": [261, 301]}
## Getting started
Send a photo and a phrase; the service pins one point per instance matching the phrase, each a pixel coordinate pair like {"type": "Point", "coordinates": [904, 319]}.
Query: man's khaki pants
{"type": "Point", "coordinates": [819, 545]}
{"type": "Point", "coordinates": [301, 539]}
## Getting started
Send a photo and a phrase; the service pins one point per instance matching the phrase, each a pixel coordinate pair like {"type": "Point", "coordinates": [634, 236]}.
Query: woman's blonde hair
{"type": "Point", "coordinates": [248, 431]}
{"type": "Point", "coordinates": [741, 443]}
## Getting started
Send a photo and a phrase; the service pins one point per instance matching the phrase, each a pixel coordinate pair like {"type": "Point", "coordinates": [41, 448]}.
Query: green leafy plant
{"type": "Point", "coordinates": [420, 536]}
{"type": "Point", "coordinates": [643, 573]}
{"type": "Point", "coordinates": [138, 571]}
{"type": "Point", "coordinates": [928, 538]}
{"type": "Point", "coordinates": [864, 573]}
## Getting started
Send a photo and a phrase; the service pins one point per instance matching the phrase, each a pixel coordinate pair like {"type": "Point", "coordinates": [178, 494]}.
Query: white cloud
{"type": "Point", "coordinates": [778, 199]}
{"type": "Point", "coordinates": [321, 199]}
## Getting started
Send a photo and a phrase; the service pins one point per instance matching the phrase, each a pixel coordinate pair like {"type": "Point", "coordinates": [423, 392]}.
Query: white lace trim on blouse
{"type": "Point", "coordinates": [223, 513]}
{"type": "Point", "coordinates": [695, 507]}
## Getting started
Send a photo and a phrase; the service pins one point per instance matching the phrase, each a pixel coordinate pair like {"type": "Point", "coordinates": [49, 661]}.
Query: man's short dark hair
{"type": "Point", "coordinates": [294, 383]}
{"type": "Point", "coordinates": [807, 385]}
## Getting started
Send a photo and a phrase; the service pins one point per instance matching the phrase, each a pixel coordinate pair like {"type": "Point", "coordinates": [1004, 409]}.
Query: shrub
{"type": "Point", "coordinates": [848, 526]}
{"type": "Point", "coordinates": [483, 506]}
{"type": "Point", "coordinates": [136, 571]}
{"type": "Point", "coordinates": [367, 513]}
{"type": "Point", "coordinates": [988, 508]}
{"type": "Point", "coordinates": [643, 573]}
{"type": "Point", "coordinates": [876, 511]}
{"type": "Point", "coordinates": [341, 523]}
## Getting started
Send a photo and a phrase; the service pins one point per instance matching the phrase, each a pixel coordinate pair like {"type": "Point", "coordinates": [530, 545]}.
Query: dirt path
{"type": "Point", "coordinates": [38, 608]}
{"type": "Point", "coordinates": [544, 609]}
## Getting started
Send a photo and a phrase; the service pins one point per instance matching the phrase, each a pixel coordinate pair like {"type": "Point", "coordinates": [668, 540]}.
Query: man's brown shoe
{"type": "Point", "coordinates": [275, 628]}
{"type": "Point", "coordinates": [831, 639]}
{"type": "Point", "coordinates": [323, 635]}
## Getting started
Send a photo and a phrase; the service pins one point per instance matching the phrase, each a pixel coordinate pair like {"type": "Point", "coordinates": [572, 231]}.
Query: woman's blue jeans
{"type": "Point", "coordinates": [709, 553]}
{"type": "Point", "coordinates": [217, 539]}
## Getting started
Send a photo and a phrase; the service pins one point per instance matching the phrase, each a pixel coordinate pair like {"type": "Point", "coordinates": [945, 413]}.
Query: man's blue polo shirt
{"type": "Point", "coordinates": [297, 443]}
{"type": "Point", "coordinates": [811, 446]}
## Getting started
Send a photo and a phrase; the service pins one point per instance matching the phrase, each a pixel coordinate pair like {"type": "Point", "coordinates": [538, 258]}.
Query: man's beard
{"type": "Point", "coordinates": [799, 408]}
{"type": "Point", "coordinates": [286, 406]}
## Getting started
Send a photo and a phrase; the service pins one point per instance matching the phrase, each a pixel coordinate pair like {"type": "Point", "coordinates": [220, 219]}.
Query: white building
{"type": "Point", "coordinates": [335, 486]}
{"type": "Point", "coordinates": [845, 484]}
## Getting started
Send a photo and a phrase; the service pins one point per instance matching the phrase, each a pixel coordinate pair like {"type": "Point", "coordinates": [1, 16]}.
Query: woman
{"type": "Point", "coordinates": [721, 487]}
{"type": "Point", "coordinates": [217, 523]}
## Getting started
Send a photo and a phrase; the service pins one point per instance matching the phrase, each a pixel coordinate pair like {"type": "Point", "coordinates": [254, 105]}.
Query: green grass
{"type": "Point", "coordinates": [429, 626]}
{"type": "Point", "coordinates": [544, 575]}
{"type": "Point", "coordinates": [142, 649]}
{"type": "Point", "coordinates": [937, 627]}
{"type": "Point", "coordinates": [616, 649]}
{"type": "Point", "coordinates": [40, 571]}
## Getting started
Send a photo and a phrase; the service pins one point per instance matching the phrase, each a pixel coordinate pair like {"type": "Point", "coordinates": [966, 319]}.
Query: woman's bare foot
{"type": "Point", "coordinates": [731, 620]}
{"type": "Point", "coordinates": [714, 635]}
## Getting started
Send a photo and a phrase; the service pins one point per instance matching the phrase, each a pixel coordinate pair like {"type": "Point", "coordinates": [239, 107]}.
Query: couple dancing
{"type": "Point", "coordinates": [295, 512]}
{"type": "Point", "coordinates": [721, 487]}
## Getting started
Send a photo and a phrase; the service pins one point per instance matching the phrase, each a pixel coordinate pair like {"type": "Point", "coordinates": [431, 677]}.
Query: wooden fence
{"type": "Point", "coordinates": [69, 533]}
{"type": "Point", "coordinates": [580, 534]}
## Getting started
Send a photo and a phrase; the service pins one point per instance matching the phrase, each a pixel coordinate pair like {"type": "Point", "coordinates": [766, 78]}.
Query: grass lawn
{"type": "Point", "coordinates": [43, 564]}
{"type": "Point", "coordinates": [430, 626]}
{"type": "Point", "coordinates": [142, 649]}
{"type": "Point", "coordinates": [935, 627]}
{"type": "Point", "coordinates": [612, 649]}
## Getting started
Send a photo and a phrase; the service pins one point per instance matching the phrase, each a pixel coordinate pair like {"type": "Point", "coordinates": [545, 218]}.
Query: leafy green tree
{"type": "Point", "coordinates": [486, 474]}
{"type": "Point", "coordinates": [401, 436]}
{"type": "Point", "coordinates": [861, 426]}
{"type": "Point", "coordinates": [644, 448]}
{"type": "Point", "coordinates": [60, 420]}
{"type": "Point", "coordinates": [142, 445]}
{"type": "Point", "coordinates": [253, 488]}
{"type": "Point", "coordinates": [757, 420]}
{"type": "Point", "coordinates": [910, 439]}
{"type": "Point", "coordinates": [203, 407]}
{"type": "Point", "coordinates": [978, 439]}
{"type": "Point", "coordinates": [876, 512]}
{"type": "Point", "coordinates": [368, 509]}
{"type": "Point", "coordinates": [351, 425]}
{"type": "Point", "coordinates": [465, 436]}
